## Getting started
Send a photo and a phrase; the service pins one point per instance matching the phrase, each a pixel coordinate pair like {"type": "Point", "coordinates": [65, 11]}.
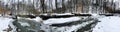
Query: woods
{"type": "Point", "coordinates": [27, 7]}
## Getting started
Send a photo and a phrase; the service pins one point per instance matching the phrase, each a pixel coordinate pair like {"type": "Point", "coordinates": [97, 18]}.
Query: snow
{"type": "Point", "coordinates": [58, 14]}
{"type": "Point", "coordinates": [108, 24]}
{"type": "Point", "coordinates": [95, 15]}
{"type": "Point", "coordinates": [4, 23]}
{"type": "Point", "coordinates": [73, 27]}
{"type": "Point", "coordinates": [24, 24]}
{"type": "Point", "coordinates": [12, 26]}
{"type": "Point", "coordinates": [37, 19]}
{"type": "Point", "coordinates": [60, 20]}
{"type": "Point", "coordinates": [63, 14]}
{"type": "Point", "coordinates": [0, 14]}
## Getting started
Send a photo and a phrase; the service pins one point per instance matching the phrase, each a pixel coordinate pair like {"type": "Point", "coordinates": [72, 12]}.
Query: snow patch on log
{"type": "Point", "coordinates": [61, 20]}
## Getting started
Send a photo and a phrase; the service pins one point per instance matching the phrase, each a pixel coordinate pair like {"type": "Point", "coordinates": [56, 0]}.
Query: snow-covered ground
{"type": "Point", "coordinates": [4, 22]}
{"type": "Point", "coordinates": [108, 24]}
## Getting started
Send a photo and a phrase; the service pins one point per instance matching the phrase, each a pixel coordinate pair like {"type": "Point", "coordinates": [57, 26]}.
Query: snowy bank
{"type": "Point", "coordinates": [108, 24]}
{"type": "Point", "coordinates": [4, 22]}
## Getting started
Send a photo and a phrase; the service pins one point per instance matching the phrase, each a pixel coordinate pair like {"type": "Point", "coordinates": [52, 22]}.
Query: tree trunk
{"type": "Point", "coordinates": [43, 5]}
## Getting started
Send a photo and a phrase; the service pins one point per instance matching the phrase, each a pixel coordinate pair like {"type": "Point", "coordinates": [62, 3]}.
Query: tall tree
{"type": "Point", "coordinates": [43, 5]}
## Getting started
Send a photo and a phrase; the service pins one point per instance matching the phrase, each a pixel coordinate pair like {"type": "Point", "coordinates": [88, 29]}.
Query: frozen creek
{"type": "Point", "coordinates": [68, 24]}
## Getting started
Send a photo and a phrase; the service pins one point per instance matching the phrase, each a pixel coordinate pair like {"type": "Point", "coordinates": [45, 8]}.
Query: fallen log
{"type": "Point", "coordinates": [45, 17]}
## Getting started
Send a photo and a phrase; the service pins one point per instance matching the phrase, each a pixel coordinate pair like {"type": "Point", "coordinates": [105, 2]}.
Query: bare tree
{"type": "Point", "coordinates": [43, 5]}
